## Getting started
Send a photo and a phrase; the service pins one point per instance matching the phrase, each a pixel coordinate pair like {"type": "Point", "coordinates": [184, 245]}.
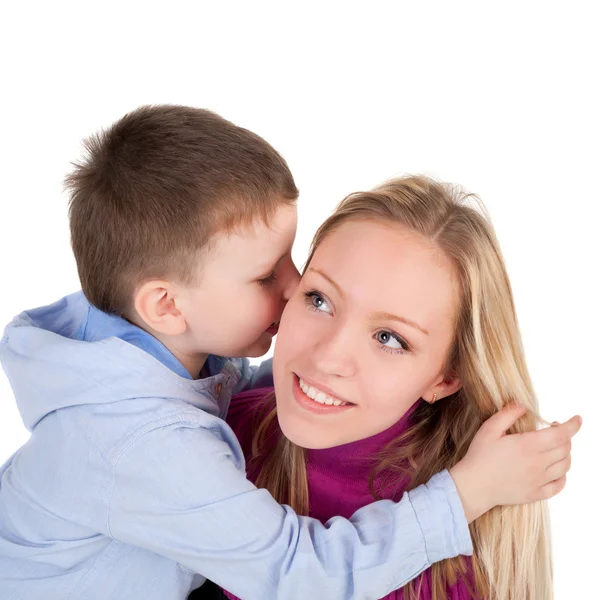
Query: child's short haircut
{"type": "Point", "coordinates": [155, 186]}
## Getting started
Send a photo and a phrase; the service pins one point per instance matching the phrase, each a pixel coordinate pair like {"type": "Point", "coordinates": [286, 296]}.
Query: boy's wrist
{"type": "Point", "coordinates": [472, 498]}
{"type": "Point", "coordinates": [441, 518]}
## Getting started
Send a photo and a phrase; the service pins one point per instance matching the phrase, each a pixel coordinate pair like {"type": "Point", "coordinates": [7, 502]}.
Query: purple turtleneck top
{"type": "Point", "coordinates": [338, 478]}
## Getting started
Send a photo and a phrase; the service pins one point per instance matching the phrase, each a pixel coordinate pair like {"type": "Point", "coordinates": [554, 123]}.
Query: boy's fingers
{"type": "Point", "coordinates": [561, 434]}
{"type": "Point", "coordinates": [504, 419]}
{"type": "Point", "coordinates": [556, 454]}
{"type": "Point", "coordinates": [555, 436]}
{"type": "Point", "coordinates": [559, 469]}
{"type": "Point", "coordinates": [551, 489]}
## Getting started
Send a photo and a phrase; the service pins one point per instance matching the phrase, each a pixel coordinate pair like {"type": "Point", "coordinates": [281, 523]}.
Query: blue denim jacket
{"type": "Point", "coordinates": [133, 486]}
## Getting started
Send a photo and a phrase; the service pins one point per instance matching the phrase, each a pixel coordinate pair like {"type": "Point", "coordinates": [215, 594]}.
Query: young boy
{"type": "Point", "coordinates": [131, 483]}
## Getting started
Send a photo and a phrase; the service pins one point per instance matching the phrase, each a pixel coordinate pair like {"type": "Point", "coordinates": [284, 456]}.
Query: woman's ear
{"type": "Point", "coordinates": [448, 386]}
{"type": "Point", "coordinates": [155, 303]}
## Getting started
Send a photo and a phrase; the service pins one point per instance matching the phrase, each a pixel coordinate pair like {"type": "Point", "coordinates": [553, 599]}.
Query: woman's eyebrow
{"type": "Point", "coordinates": [378, 315]}
{"type": "Point", "coordinates": [390, 317]}
{"type": "Point", "coordinates": [331, 281]}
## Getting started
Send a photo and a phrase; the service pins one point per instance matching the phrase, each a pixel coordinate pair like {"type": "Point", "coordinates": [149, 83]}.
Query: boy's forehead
{"type": "Point", "coordinates": [281, 223]}
{"type": "Point", "coordinates": [261, 242]}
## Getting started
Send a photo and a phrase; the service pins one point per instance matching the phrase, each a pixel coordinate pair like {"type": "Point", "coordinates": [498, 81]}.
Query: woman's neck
{"type": "Point", "coordinates": [339, 477]}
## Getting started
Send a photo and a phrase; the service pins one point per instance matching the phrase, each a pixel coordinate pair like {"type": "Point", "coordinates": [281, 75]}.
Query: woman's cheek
{"type": "Point", "coordinates": [286, 337]}
{"type": "Point", "coordinates": [293, 319]}
{"type": "Point", "coordinates": [308, 329]}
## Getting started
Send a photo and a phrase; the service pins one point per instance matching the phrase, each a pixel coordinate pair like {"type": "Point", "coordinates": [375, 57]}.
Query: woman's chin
{"type": "Point", "coordinates": [303, 435]}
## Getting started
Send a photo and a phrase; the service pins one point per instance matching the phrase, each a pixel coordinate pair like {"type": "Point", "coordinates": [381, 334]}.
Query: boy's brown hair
{"type": "Point", "coordinates": [155, 186]}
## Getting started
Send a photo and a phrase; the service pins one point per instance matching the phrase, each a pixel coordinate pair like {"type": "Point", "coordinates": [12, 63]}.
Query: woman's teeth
{"type": "Point", "coordinates": [320, 397]}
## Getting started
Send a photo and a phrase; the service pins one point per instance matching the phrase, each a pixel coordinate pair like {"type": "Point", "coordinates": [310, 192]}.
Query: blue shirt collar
{"type": "Point", "coordinates": [100, 325]}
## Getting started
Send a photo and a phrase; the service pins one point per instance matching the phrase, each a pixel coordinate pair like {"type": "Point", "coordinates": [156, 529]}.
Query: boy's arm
{"type": "Point", "coordinates": [180, 491]}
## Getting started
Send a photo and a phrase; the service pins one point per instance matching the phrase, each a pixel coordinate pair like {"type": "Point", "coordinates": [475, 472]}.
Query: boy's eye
{"type": "Point", "coordinates": [269, 279]}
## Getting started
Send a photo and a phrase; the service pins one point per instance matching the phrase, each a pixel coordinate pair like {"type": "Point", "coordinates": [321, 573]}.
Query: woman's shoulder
{"type": "Point", "coordinates": [245, 414]}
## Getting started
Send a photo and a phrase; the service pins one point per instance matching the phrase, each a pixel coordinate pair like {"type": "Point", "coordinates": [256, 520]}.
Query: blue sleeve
{"type": "Point", "coordinates": [253, 377]}
{"type": "Point", "coordinates": [180, 491]}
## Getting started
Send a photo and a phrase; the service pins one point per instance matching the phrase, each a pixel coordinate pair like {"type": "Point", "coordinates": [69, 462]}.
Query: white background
{"type": "Point", "coordinates": [502, 99]}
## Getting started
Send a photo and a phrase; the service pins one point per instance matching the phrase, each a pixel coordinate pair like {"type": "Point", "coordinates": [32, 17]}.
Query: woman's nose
{"type": "Point", "coordinates": [335, 354]}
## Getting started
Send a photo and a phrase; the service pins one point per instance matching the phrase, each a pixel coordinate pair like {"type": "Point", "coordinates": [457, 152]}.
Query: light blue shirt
{"type": "Point", "coordinates": [132, 484]}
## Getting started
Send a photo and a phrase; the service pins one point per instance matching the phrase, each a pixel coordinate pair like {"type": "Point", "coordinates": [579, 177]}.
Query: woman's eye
{"type": "Point", "coordinates": [391, 342]}
{"type": "Point", "coordinates": [316, 302]}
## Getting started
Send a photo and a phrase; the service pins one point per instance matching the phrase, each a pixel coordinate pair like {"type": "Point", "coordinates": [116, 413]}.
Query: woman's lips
{"type": "Point", "coordinates": [312, 405]}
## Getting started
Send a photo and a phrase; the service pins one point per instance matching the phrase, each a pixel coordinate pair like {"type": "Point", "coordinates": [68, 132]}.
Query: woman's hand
{"type": "Point", "coordinates": [503, 469]}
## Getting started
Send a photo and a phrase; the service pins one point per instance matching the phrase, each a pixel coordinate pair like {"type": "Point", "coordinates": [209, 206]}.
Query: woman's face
{"type": "Point", "coordinates": [365, 335]}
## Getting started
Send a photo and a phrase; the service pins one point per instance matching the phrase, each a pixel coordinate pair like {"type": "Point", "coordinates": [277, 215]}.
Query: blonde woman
{"type": "Point", "coordinates": [400, 341]}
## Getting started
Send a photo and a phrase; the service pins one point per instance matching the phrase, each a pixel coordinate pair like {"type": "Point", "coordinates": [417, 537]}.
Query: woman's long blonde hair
{"type": "Point", "coordinates": [512, 554]}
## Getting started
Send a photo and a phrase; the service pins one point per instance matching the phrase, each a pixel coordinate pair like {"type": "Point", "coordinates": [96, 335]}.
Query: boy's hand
{"type": "Point", "coordinates": [502, 469]}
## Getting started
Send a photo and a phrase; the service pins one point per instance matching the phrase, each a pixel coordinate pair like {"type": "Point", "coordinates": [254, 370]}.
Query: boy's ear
{"type": "Point", "coordinates": [155, 303]}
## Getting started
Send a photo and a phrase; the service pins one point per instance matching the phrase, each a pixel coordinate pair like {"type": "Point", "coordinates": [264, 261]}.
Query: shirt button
{"type": "Point", "coordinates": [218, 388]}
